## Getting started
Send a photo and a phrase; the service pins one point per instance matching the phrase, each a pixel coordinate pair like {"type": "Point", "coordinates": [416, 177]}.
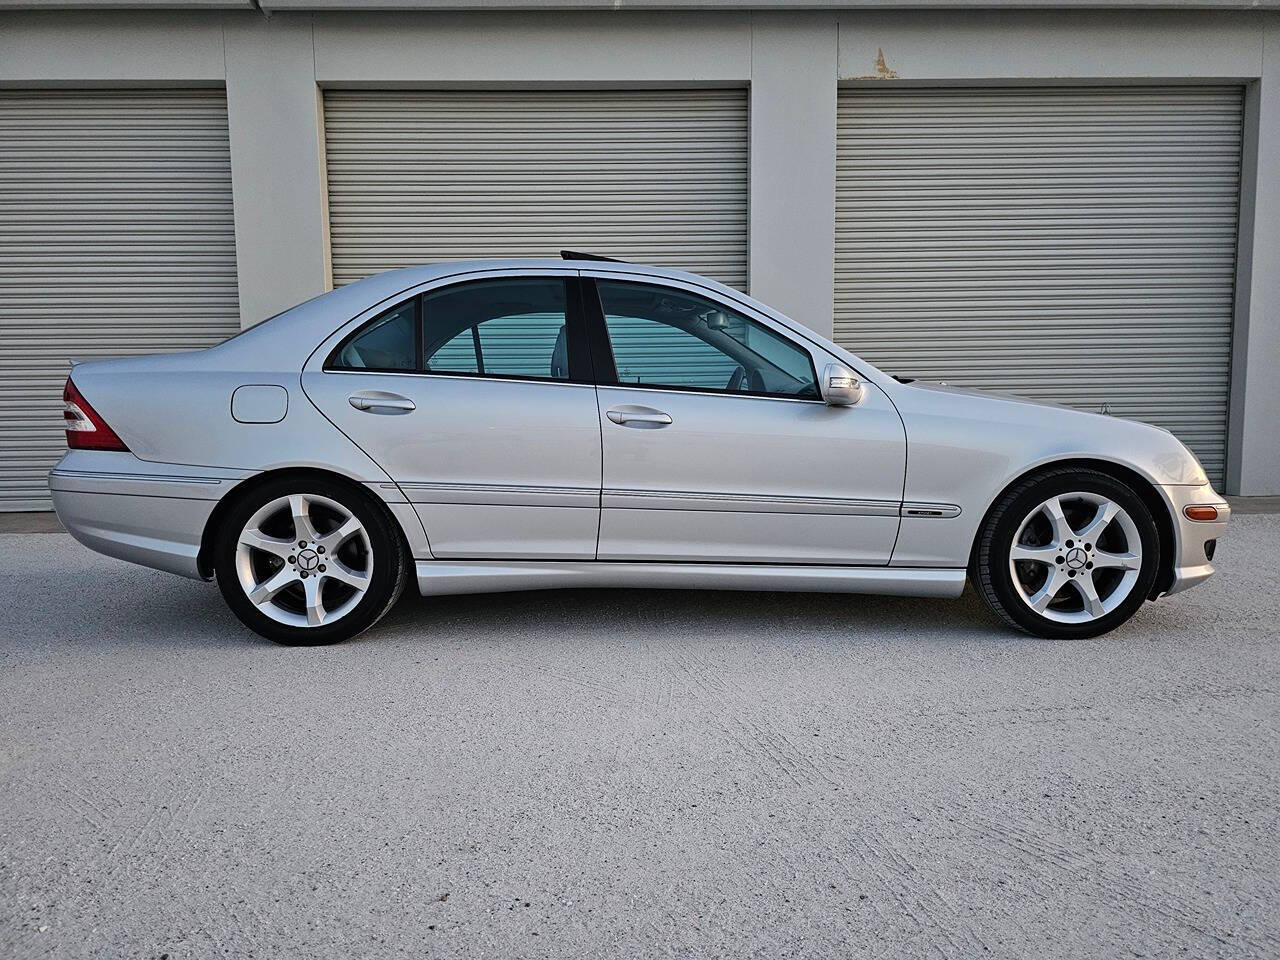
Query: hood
{"type": "Point", "coordinates": [1033, 431]}
{"type": "Point", "coordinates": [941, 386]}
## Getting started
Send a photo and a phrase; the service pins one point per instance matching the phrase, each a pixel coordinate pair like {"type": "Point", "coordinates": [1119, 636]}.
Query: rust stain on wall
{"type": "Point", "coordinates": [882, 70]}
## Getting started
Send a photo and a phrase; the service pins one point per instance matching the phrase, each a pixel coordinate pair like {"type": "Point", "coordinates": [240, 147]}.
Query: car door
{"type": "Point", "coordinates": [717, 444]}
{"type": "Point", "coordinates": [476, 398]}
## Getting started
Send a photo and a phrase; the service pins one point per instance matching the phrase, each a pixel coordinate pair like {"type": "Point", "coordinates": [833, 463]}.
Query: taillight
{"type": "Point", "coordinates": [86, 430]}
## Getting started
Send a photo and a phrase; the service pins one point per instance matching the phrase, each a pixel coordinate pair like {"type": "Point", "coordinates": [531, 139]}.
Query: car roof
{"type": "Point", "coordinates": [314, 320]}
{"type": "Point", "coordinates": [294, 334]}
{"type": "Point", "coordinates": [407, 277]}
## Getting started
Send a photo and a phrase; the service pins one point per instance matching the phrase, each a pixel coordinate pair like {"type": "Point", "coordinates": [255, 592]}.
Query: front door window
{"type": "Point", "coordinates": [666, 338]}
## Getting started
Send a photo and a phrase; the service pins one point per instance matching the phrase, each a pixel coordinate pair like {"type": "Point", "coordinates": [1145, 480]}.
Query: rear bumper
{"type": "Point", "coordinates": [147, 513]}
{"type": "Point", "coordinates": [1192, 563]}
{"type": "Point", "coordinates": [157, 532]}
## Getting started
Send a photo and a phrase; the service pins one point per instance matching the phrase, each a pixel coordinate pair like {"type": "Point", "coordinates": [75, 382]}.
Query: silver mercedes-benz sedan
{"type": "Point", "coordinates": [522, 424]}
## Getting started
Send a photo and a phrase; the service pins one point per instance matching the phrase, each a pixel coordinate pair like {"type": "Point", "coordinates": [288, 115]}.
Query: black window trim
{"type": "Point", "coordinates": [581, 358]}
{"type": "Point", "coordinates": [606, 367]}
{"type": "Point", "coordinates": [476, 345]}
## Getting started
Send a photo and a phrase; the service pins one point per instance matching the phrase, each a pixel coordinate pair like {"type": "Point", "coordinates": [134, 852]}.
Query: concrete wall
{"type": "Point", "coordinates": [793, 63]}
{"type": "Point", "coordinates": [1253, 450]}
{"type": "Point", "coordinates": [277, 165]}
{"type": "Point", "coordinates": [793, 166]}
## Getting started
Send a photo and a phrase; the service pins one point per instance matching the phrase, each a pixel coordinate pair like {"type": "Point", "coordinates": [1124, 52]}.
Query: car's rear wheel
{"type": "Point", "coordinates": [308, 561]}
{"type": "Point", "coordinates": [1067, 554]}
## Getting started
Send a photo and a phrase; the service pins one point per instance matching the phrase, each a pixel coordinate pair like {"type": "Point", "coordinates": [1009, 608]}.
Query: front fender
{"type": "Point", "coordinates": [965, 447]}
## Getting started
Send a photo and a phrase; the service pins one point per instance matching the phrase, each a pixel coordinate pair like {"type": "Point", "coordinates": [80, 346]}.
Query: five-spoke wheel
{"type": "Point", "coordinates": [1071, 553]}
{"type": "Point", "coordinates": [304, 559]}
{"type": "Point", "coordinates": [312, 562]}
{"type": "Point", "coordinates": [1076, 557]}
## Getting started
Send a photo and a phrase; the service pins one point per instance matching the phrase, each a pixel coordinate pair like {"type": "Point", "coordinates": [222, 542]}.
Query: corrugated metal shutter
{"type": "Point", "coordinates": [656, 176]}
{"type": "Point", "coordinates": [116, 237]}
{"type": "Point", "coordinates": [1071, 244]}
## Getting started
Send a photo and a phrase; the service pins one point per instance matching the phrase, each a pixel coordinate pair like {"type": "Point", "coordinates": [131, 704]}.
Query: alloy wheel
{"type": "Point", "coordinates": [1076, 557]}
{"type": "Point", "coordinates": [304, 560]}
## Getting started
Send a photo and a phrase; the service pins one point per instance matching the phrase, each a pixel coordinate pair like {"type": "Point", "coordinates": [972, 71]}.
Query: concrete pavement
{"type": "Point", "coordinates": [633, 774]}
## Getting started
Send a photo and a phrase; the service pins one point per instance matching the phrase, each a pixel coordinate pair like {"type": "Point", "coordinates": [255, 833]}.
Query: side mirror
{"type": "Point", "coordinates": [840, 386]}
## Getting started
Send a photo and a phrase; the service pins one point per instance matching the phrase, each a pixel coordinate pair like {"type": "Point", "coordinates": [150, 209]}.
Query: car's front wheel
{"type": "Point", "coordinates": [1067, 554]}
{"type": "Point", "coordinates": [308, 561]}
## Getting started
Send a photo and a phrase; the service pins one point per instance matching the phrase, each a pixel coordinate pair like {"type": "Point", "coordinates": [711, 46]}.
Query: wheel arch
{"type": "Point", "coordinates": [1137, 482]}
{"type": "Point", "coordinates": [204, 559]}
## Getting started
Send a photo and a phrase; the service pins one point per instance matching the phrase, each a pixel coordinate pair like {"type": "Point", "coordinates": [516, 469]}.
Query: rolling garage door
{"type": "Point", "coordinates": [116, 238]}
{"type": "Point", "coordinates": [656, 176]}
{"type": "Point", "coordinates": [1069, 244]}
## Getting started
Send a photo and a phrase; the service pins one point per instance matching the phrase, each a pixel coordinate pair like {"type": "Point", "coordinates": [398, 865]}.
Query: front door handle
{"type": "Point", "coordinates": [638, 416]}
{"type": "Point", "coordinates": [377, 402]}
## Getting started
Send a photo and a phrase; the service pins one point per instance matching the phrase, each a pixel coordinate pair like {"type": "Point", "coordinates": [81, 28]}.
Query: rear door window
{"type": "Point", "coordinates": [498, 328]}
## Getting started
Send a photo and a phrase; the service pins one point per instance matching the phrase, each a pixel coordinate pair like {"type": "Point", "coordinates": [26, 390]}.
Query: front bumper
{"type": "Point", "coordinates": [1192, 562]}
{"type": "Point", "coordinates": [152, 514]}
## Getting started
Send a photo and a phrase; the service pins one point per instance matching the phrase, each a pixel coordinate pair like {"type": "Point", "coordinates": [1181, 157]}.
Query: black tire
{"type": "Point", "coordinates": [390, 564]}
{"type": "Point", "coordinates": [989, 567]}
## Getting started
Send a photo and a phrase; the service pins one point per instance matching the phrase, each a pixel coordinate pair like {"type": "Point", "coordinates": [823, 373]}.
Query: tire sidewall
{"type": "Point", "coordinates": [387, 562]}
{"type": "Point", "coordinates": [1010, 518]}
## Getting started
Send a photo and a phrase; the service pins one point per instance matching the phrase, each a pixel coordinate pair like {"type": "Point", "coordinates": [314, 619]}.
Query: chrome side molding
{"type": "Point", "coordinates": [132, 477]}
{"type": "Point", "coordinates": [934, 510]}
{"type": "Point", "coordinates": [743, 503]}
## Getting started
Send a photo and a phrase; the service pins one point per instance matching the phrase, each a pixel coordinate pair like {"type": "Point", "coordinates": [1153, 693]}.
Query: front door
{"type": "Point", "coordinates": [718, 446]}
{"type": "Point", "coordinates": [476, 399]}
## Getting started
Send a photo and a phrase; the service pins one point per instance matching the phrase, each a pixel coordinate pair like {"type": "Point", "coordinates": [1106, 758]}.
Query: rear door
{"type": "Point", "coordinates": [717, 445]}
{"type": "Point", "coordinates": [476, 397]}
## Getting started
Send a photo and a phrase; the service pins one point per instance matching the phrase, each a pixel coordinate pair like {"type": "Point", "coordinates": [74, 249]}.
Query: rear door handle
{"type": "Point", "coordinates": [638, 415]}
{"type": "Point", "coordinates": [382, 403]}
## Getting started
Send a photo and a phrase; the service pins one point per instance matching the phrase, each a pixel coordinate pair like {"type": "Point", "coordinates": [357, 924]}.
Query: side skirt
{"type": "Point", "coordinates": [444, 577]}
